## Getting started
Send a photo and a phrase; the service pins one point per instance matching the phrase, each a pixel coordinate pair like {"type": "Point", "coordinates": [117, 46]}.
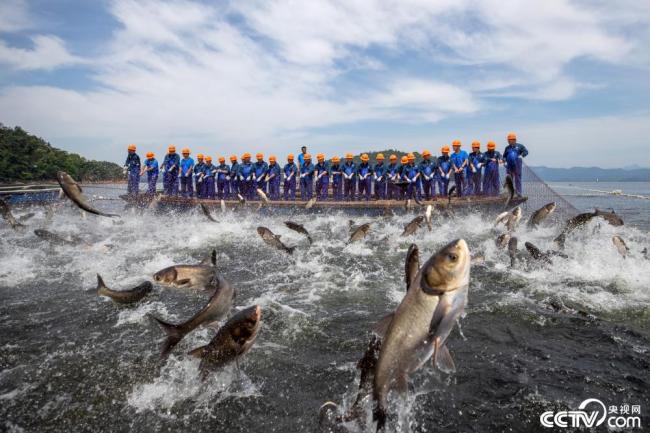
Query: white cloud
{"type": "Point", "coordinates": [49, 52]}
{"type": "Point", "coordinates": [263, 73]}
{"type": "Point", "coordinates": [14, 16]}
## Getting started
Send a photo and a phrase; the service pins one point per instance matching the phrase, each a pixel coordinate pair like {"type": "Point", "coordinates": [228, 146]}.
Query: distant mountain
{"type": "Point", "coordinates": [591, 174]}
{"type": "Point", "coordinates": [25, 157]}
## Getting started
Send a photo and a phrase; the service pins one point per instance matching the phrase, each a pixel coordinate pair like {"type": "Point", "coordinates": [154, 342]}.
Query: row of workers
{"type": "Point", "coordinates": [475, 173]}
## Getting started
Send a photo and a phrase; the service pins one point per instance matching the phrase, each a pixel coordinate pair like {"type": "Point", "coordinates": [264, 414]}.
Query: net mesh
{"type": "Point", "coordinates": [540, 193]}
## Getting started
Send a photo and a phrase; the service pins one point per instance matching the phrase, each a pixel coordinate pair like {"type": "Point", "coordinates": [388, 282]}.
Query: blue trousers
{"type": "Point", "coordinates": [306, 188]}
{"type": "Point", "coordinates": [459, 181]}
{"type": "Point", "coordinates": [380, 189]}
{"type": "Point", "coordinates": [364, 188]}
{"type": "Point", "coordinates": [349, 188]}
{"type": "Point", "coordinates": [290, 189]}
{"type": "Point", "coordinates": [199, 187]}
{"type": "Point", "coordinates": [151, 183]}
{"type": "Point", "coordinates": [337, 190]}
{"type": "Point", "coordinates": [274, 188]}
{"type": "Point", "coordinates": [412, 190]}
{"type": "Point", "coordinates": [443, 185]}
{"type": "Point", "coordinates": [261, 184]}
{"type": "Point", "coordinates": [209, 187]}
{"type": "Point", "coordinates": [247, 189]}
{"type": "Point", "coordinates": [515, 174]}
{"type": "Point", "coordinates": [133, 187]}
{"type": "Point", "coordinates": [170, 183]}
{"type": "Point", "coordinates": [491, 184]}
{"type": "Point", "coordinates": [321, 187]}
{"type": "Point", "coordinates": [223, 189]}
{"type": "Point", "coordinates": [474, 184]}
{"type": "Point", "coordinates": [187, 188]}
{"type": "Point", "coordinates": [429, 188]}
{"type": "Point", "coordinates": [392, 191]}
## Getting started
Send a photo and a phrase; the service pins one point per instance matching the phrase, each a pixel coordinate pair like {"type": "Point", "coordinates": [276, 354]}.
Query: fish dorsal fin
{"type": "Point", "coordinates": [199, 352]}
{"type": "Point", "coordinates": [100, 283]}
{"type": "Point", "coordinates": [381, 327]}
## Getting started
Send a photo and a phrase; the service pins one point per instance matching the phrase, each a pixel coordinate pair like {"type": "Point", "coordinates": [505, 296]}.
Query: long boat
{"type": "Point", "coordinates": [357, 207]}
{"type": "Point", "coordinates": [30, 194]}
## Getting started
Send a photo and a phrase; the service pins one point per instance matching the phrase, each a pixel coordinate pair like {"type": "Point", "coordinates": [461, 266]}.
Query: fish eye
{"type": "Point", "coordinates": [452, 257]}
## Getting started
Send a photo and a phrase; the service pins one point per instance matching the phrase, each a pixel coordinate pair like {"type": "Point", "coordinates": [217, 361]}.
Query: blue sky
{"type": "Point", "coordinates": [223, 77]}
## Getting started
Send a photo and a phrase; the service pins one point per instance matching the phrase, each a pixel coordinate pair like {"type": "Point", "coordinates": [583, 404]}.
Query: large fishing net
{"type": "Point", "coordinates": [539, 194]}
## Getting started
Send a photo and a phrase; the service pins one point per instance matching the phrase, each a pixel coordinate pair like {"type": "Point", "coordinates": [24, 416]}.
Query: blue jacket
{"type": "Point", "coordinates": [132, 162]}
{"type": "Point", "coordinates": [209, 169]}
{"type": "Point", "coordinates": [245, 171]}
{"type": "Point", "coordinates": [457, 159]}
{"type": "Point", "coordinates": [187, 165]}
{"type": "Point", "coordinates": [380, 170]}
{"type": "Point", "coordinates": [364, 170]}
{"type": "Point", "coordinates": [489, 155]}
{"type": "Point", "coordinates": [444, 164]}
{"type": "Point", "coordinates": [222, 172]}
{"type": "Point", "coordinates": [335, 171]}
{"type": "Point", "coordinates": [234, 170]}
{"type": "Point", "coordinates": [171, 160]}
{"type": "Point", "coordinates": [428, 169]}
{"type": "Point", "coordinates": [392, 170]}
{"type": "Point", "coordinates": [153, 165]}
{"type": "Point", "coordinates": [308, 170]}
{"type": "Point", "coordinates": [349, 169]}
{"type": "Point", "coordinates": [301, 159]}
{"type": "Point", "coordinates": [274, 172]}
{"type": "Point", "coordinates": [290, 168]}
{"type": "Point", "coordinates": [512, 153]}
{"type": "Point", "coordinates": [474, 159]}
{"type": "Point", "coordinates": [409, 172]}
{"type": "Point", "coordinates": [198, 169]}
{"type": "Point", "coordinates": [322, 167]}
{"type": "Point", "coordinates": [260, 168]}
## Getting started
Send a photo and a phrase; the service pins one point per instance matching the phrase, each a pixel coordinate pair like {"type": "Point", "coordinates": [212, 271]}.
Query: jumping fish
{"type": "Point", "coordinates": [189, 276]}
{"type": "Point", "coordinates": [25, 217]}
{"type": "Point", "coordinates": [411, 265]}
{"type": "Point", "coordinates": [273, 240]}
{"type": "Point", "coordinates": [512, 250]}
{"type": "Point", "coordinates": [540, 214]}
{"type": "Point", "coordinates": [619, 243]}
{"type": "Point", "coordinates": [129, 296]}
{"type": "Point", "coordinates": [310, 203]}
{"type": "Point", "coordinates": [359, 233]}
{"type": "Point", "coordinates": [299, 228]}
{"type": "Point", "coordinates": [5, 210]}
{"type": "Point", "coordinates": [217, 307]}
{"type": "Point", "coordinates": [502, 240]}
{"type": "Point", "coordinates": [419, 328]}
{"type": "Point", "coordinates": [233, 340]}
{"type": "Point", "coordinates": [207, 213]}
{"type": "Point", "coordinates": [262, 195]}
{"type": "Point", "coordinates": [427, 215]}
{"type": "Point", "coordinates": [537, 254]}
{"type": "Point", "coordinates": [510, 189]}
{"type": "Point", "coordinates": [74, 192]}
{"type": "Point", "coordinates": [57, 239]}
{"type": "Point", "coordinates": [223, 206]}
{"type": "Point", "coordinates": [413, 226]}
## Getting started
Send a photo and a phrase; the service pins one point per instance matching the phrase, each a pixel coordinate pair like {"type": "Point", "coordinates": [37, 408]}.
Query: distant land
{"type": "Point", "coordinates": [593, 174]}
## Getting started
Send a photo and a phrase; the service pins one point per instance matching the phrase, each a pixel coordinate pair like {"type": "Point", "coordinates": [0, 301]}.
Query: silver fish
{"type": "Point", "coordinates": [411, 265]}
{"type": "Point", "coordinates": [273, 240]}
{"type": "Point", "coordinates": [619, 243]}
{"type": "Point", "coordinates": [5, 210]}
{"type": "Point", "coordinates": [129, 296]}
{"type": "Point", "coordinates": [189, 276]}
{"type": "Point", "coordinates": [74, 192]}
{"type": "Point", "coordinates": [512, 250]}
{"type": "Point", "coordinates": [299, 228]}
{"type": "Point", "coordinates": [540, 214]}
{"type": "Point", "coordinates": [207, 213]}
{"type": "Point", "coordinates": [359, 233]}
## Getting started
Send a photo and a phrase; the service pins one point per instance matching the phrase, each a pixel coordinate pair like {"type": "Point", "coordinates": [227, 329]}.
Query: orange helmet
{"type": "Point", "coordinates": [185, 151]}
{"type": "Point", "coordinates": [171, 148]}
{"type": "Point", "coordinates": [222, 159]}
{"type": "Point", "coordinates": [404, 159]}
{"type": "Point", "coordinates": [246, 155]}
{"type": "Point", "coordinates": [512, 136]}
{"type": "Point", "coordinates": [290, 157]}
{"type": "Point", "coordinates": [131, 147]}
{"type": "Point", "coordinates": [364, 157]}
{"type": "Point", "coordinates": [491, 145]}
{"type": "Point", "coordinates": [393, 157]}
{"type": "Point", "coordinates": [199, 156]}
{"type": "Point", "coordinates": [208, 158]}
{"type": "Point", "coordinates": [410, 157]}
{"type": "Point", "coordinates": [476, 144]}
{"type": "Point", "coordinates": [456, 143]}
{"type": "Point", "coordinates": [320, 157]}
{"type": "Point", "coordinates": [445, 149]}
{"type": "Point", "coordinates": [336, 159]}
{"type": "Point", "coordinates": [149, 154]}
{"type": "Point", "coordinates": [380, 157]}
{"type": "Point", "coordinates": [233, 158]}
{"type": "Point", "coordinates": [349, 156]}
{"type": "Point", "coordinates": [307, 156]}
{"type": "Point", "coordinates": [426, 153]}
{"type": "Point", "coordinates": [259, 156]}
{"type": "Point", "coordinates": [272, 158]}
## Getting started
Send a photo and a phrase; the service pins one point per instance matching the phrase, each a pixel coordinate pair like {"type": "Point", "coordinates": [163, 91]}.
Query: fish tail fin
{"type": "Point", "coordinates": [174, 336]}
{"type": "Point", "coordinates": [100, 283]}
{"type": "Point", "coordinates": [379, 415]}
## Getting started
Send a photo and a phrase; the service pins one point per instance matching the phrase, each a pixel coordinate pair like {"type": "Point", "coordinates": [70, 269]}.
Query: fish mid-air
{"type": "Point", "coordinates": [273, 240]}
{"type": "Point", "coordinates": [359, 233]}
{"type": "Point", "coordinates": [509, 219]}
{"type": "Point", "coordinates": [300, 229]}
{"type": "Point", "coordinates": [74, 192]}
{"type": "Point", "coordinates": [129, 296]}
{"type": "Point", "coordinates": [541, 214]}
{"type": "Point", "coordinates": [413, 226]}
{"type": "Point", "coordinates": [189, 276]}
{"type": "Point", "coordinates": [233, 340]}
{"type": "Point", "coordinates": [411, 265]}
{"type": "Point", "coordinates": [419, 328]}
{"type": "Point", "coordinates": [5, 210]}
{"type": "Point", "coordinates": [215, 309]}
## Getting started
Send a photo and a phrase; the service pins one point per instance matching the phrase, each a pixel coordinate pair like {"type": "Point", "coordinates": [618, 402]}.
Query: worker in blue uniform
{"type": "Point", "coordinates": [458, 165]}
{"type": "Point", "coordinates": [223, 179]}
{"type": "Point", "coordinates": [349, 178]}
{"type": "Point", "coordinates": [444, 171]}
{"type": "Point", "coordinates": [364, 173]}
{"type": "Point", "coordinates": [411, 174]}
{"type": "Point", "coordinates": [379, 175]}
{"type": "Point", "coordinates": [337, 179]}
{"type": "Point", "coordinates": [132, 168]}
{"type": "Point", "coordinates": [427, 175]}
{"type": "Point", "coordinates": [392, 176]}
{"type": "Point", "coordinates": [290, 172]}
{"type": "Point", "coordinates": [170, 167]}
{"type": "Point", "coordinates": [273, 178]}
{"type": "Point", "coordinates": [246, 173]}
{"type": "Point", "coordinates": [322, 174]}
{"type": "Point", "coordinates": [306, 178]}
{"type": "Point", "coordinates": [151, 168]}
{"type": "Point", "coordinates": [491, 160]}
{"type": "Point", "coordinates": [260, 167]}
{"type": "Point", "coordinates": [199, 186]}
{"type": "Point", "coordinates": [512, 155]}
{"type": "Point", "coordinates": [209, 173]}
{"type": "Point", "coordinates": [187, 174]}
{"type": "Point", "coordinates": [234, 176]}
{"type": "Point", "coordinates": [474, 169]}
